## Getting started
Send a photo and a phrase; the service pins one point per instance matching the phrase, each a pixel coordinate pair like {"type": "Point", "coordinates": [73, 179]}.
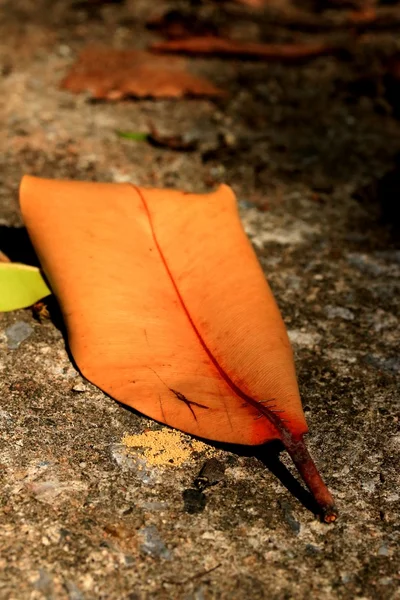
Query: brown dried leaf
{"type": "Point", "coordinates": [216, 46]}
{"type": "Point", "coordinates": [370, 18]}
{"type": "Point", "coordinates": [180, 143]}
{"type": "Point", "coordinates": [109, 74]}
{"type": "Point", "coordinates": [363, 16]}
{"type": "Point", "coordinates": [263, 3]}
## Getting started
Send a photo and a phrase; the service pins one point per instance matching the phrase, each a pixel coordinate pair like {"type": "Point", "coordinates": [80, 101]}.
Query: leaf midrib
{"type": "Point", "coordinates": [274, 419]}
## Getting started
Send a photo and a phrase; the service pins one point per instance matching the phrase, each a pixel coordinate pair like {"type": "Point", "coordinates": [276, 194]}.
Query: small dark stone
{"type": "Point", "coordinates": [211, 473]}
{"type": "Point", "coordinates": [288, 516]}
{"type": "Point", "coordinates": [194, 501]}
{"type": "Point", "coordinates": [312, 550]}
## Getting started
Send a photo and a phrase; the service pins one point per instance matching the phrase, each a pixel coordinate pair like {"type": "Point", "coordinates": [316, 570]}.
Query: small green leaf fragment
{"type": "Point", "coordinates": [136, 136]}
{"type": "Point", "coordinates": [20, 286]}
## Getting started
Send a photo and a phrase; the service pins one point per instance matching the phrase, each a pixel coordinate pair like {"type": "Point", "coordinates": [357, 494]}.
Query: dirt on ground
{"type": "Point", "coordinates": [311, 149]}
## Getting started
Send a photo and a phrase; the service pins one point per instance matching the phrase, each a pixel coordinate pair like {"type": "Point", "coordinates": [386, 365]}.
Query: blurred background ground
{"type": "Point", "coordinates": [312, 152]}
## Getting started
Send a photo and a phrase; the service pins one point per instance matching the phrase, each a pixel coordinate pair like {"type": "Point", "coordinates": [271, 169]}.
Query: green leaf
{"type": "Point", "coordinates": [132, 135]}
{"type": "Point", "coordinates": [20, 286]}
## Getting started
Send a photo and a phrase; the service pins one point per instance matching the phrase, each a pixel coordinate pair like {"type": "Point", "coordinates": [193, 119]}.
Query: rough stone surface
{"type": "Point", "coordinates": [81, 519]}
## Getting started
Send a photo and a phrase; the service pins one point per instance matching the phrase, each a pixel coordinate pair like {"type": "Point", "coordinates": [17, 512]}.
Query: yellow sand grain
{"type": "Point", "coordinates": [164, 447]}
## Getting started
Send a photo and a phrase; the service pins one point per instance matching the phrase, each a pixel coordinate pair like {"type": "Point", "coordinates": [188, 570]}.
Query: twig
{"type": "Point", "coordinates": [193, 577]}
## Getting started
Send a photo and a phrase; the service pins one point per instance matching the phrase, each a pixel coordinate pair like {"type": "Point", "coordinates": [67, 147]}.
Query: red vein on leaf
{"type": "Point", "coordinates": [274, 420]}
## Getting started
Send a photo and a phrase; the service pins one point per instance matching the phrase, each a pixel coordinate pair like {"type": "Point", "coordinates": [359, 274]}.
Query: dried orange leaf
{"type": "Point", "coordinates": [109, 74]}
{"type": "Point", "coordinates": [216, 46]}
{"type": "Point", "coordinates": [168, 310]}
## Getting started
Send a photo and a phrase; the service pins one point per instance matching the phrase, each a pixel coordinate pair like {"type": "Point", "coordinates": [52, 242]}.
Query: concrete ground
{"type": "Point", "coordinates": [310, 151]}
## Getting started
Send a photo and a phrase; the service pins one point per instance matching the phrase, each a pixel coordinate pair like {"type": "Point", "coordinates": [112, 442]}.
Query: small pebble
{"type": "Point", "coordinates": [79, 387]}
{"type": "Point", "coordinates": [152, 543]}
{"type": "Point", "coordinates": [17, 333]}
{"type": "Point", "coordinates": [73, 591]}
{"type": "Point", "coordinates": [383, 551]}
{"type": "Point", "coordinates": [333, 312]}
{"type": "Point", "coordinates": [288, 516]}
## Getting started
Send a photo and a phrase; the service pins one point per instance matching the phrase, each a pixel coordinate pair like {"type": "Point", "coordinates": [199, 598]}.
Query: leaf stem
{"type": "Point", "coordinates": [305, 465]}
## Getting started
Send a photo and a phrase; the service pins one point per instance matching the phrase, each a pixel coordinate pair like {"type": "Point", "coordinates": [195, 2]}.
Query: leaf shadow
{"type": "Point", "coordinates": [15, 243]}
{"type": "Point", "coordinates": [269, 455]}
